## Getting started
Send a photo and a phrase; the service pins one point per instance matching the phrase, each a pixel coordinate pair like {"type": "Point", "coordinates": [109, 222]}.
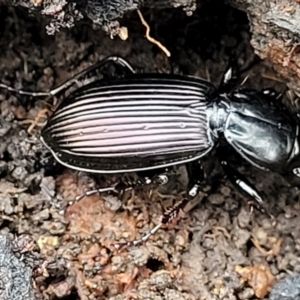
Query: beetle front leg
{"type": "Point", "coordinates": [243, 184]}
{"type": "Point", "coordinates": [196, 179]}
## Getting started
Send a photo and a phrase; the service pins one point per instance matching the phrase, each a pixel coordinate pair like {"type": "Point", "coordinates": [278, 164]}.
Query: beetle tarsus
{"type": "Point", "coordinates": [166, 219]}
{"type": "Point", "coordinates": [23, 92]}
{"type": "Point", "coordinates": [144, 238]}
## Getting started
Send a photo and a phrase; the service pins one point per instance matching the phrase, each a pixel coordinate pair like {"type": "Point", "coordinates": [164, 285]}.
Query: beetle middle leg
{"type": "Point", "coordinates": [155, 178]}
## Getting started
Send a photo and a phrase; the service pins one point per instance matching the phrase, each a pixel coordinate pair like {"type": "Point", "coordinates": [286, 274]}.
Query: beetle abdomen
{"type": "Point", "coordinates": [131, 124]}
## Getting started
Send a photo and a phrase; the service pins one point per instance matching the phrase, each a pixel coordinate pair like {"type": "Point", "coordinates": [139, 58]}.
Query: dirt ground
{"type": "Point", "coordinates": [217, 250]}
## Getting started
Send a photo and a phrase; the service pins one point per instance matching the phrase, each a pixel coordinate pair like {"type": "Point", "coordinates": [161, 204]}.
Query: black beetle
{"type": "Point", "coordinates": [140, 122]}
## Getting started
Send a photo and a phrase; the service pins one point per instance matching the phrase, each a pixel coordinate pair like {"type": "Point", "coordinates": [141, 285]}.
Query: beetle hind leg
{"type": "Point", "coordinates": [196, 179]}
{"type": "Point", "coordinates": [165, 219]}
{"type": "Point", "coordinates": [93, 73]}
{"type": "Point", "coordinates": [23, 92]}
{"type": "Point", "coordinates": [88, 75]}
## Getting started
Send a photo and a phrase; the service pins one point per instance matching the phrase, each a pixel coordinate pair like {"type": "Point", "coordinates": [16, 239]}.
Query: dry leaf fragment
{"type": "Point", "coordinates": [259, 277]}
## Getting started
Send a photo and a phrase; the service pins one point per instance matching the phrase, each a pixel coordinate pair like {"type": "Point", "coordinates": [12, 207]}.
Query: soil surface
{"type": "Point", "coordinates": [218, 249]}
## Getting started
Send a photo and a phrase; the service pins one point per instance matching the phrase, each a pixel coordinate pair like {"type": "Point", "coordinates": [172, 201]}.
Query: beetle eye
{"type": "Point", "coordinates": [296, 172]}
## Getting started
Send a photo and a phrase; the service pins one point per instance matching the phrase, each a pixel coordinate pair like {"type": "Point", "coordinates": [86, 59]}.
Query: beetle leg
{"type": "Point", "coordinates": [242, 183]}
{"type": "Point", "coordinates": [166, 218]}
{"type": "Point", "coordinates": [25, 93]}
{"type": "Point", "coordinates": [196, 178]}
{"type": "Point", "coordinates": [121, 188]}
{"type": "Point", "coordinates": [87, 194]}
{"type": "Point", "coordinates": [90, 74]}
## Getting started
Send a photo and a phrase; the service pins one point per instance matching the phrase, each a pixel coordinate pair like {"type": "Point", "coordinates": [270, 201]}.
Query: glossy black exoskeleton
{"type": "Point", "coordinates": [140, 122]}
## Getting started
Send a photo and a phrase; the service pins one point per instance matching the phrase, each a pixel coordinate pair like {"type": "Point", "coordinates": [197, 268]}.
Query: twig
{"type": "Point", "coordinates": [149, 38]}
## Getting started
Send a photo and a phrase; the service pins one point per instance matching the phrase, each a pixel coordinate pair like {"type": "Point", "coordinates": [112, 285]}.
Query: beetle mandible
{"type": "Point", "coordinates": [140, 122]}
